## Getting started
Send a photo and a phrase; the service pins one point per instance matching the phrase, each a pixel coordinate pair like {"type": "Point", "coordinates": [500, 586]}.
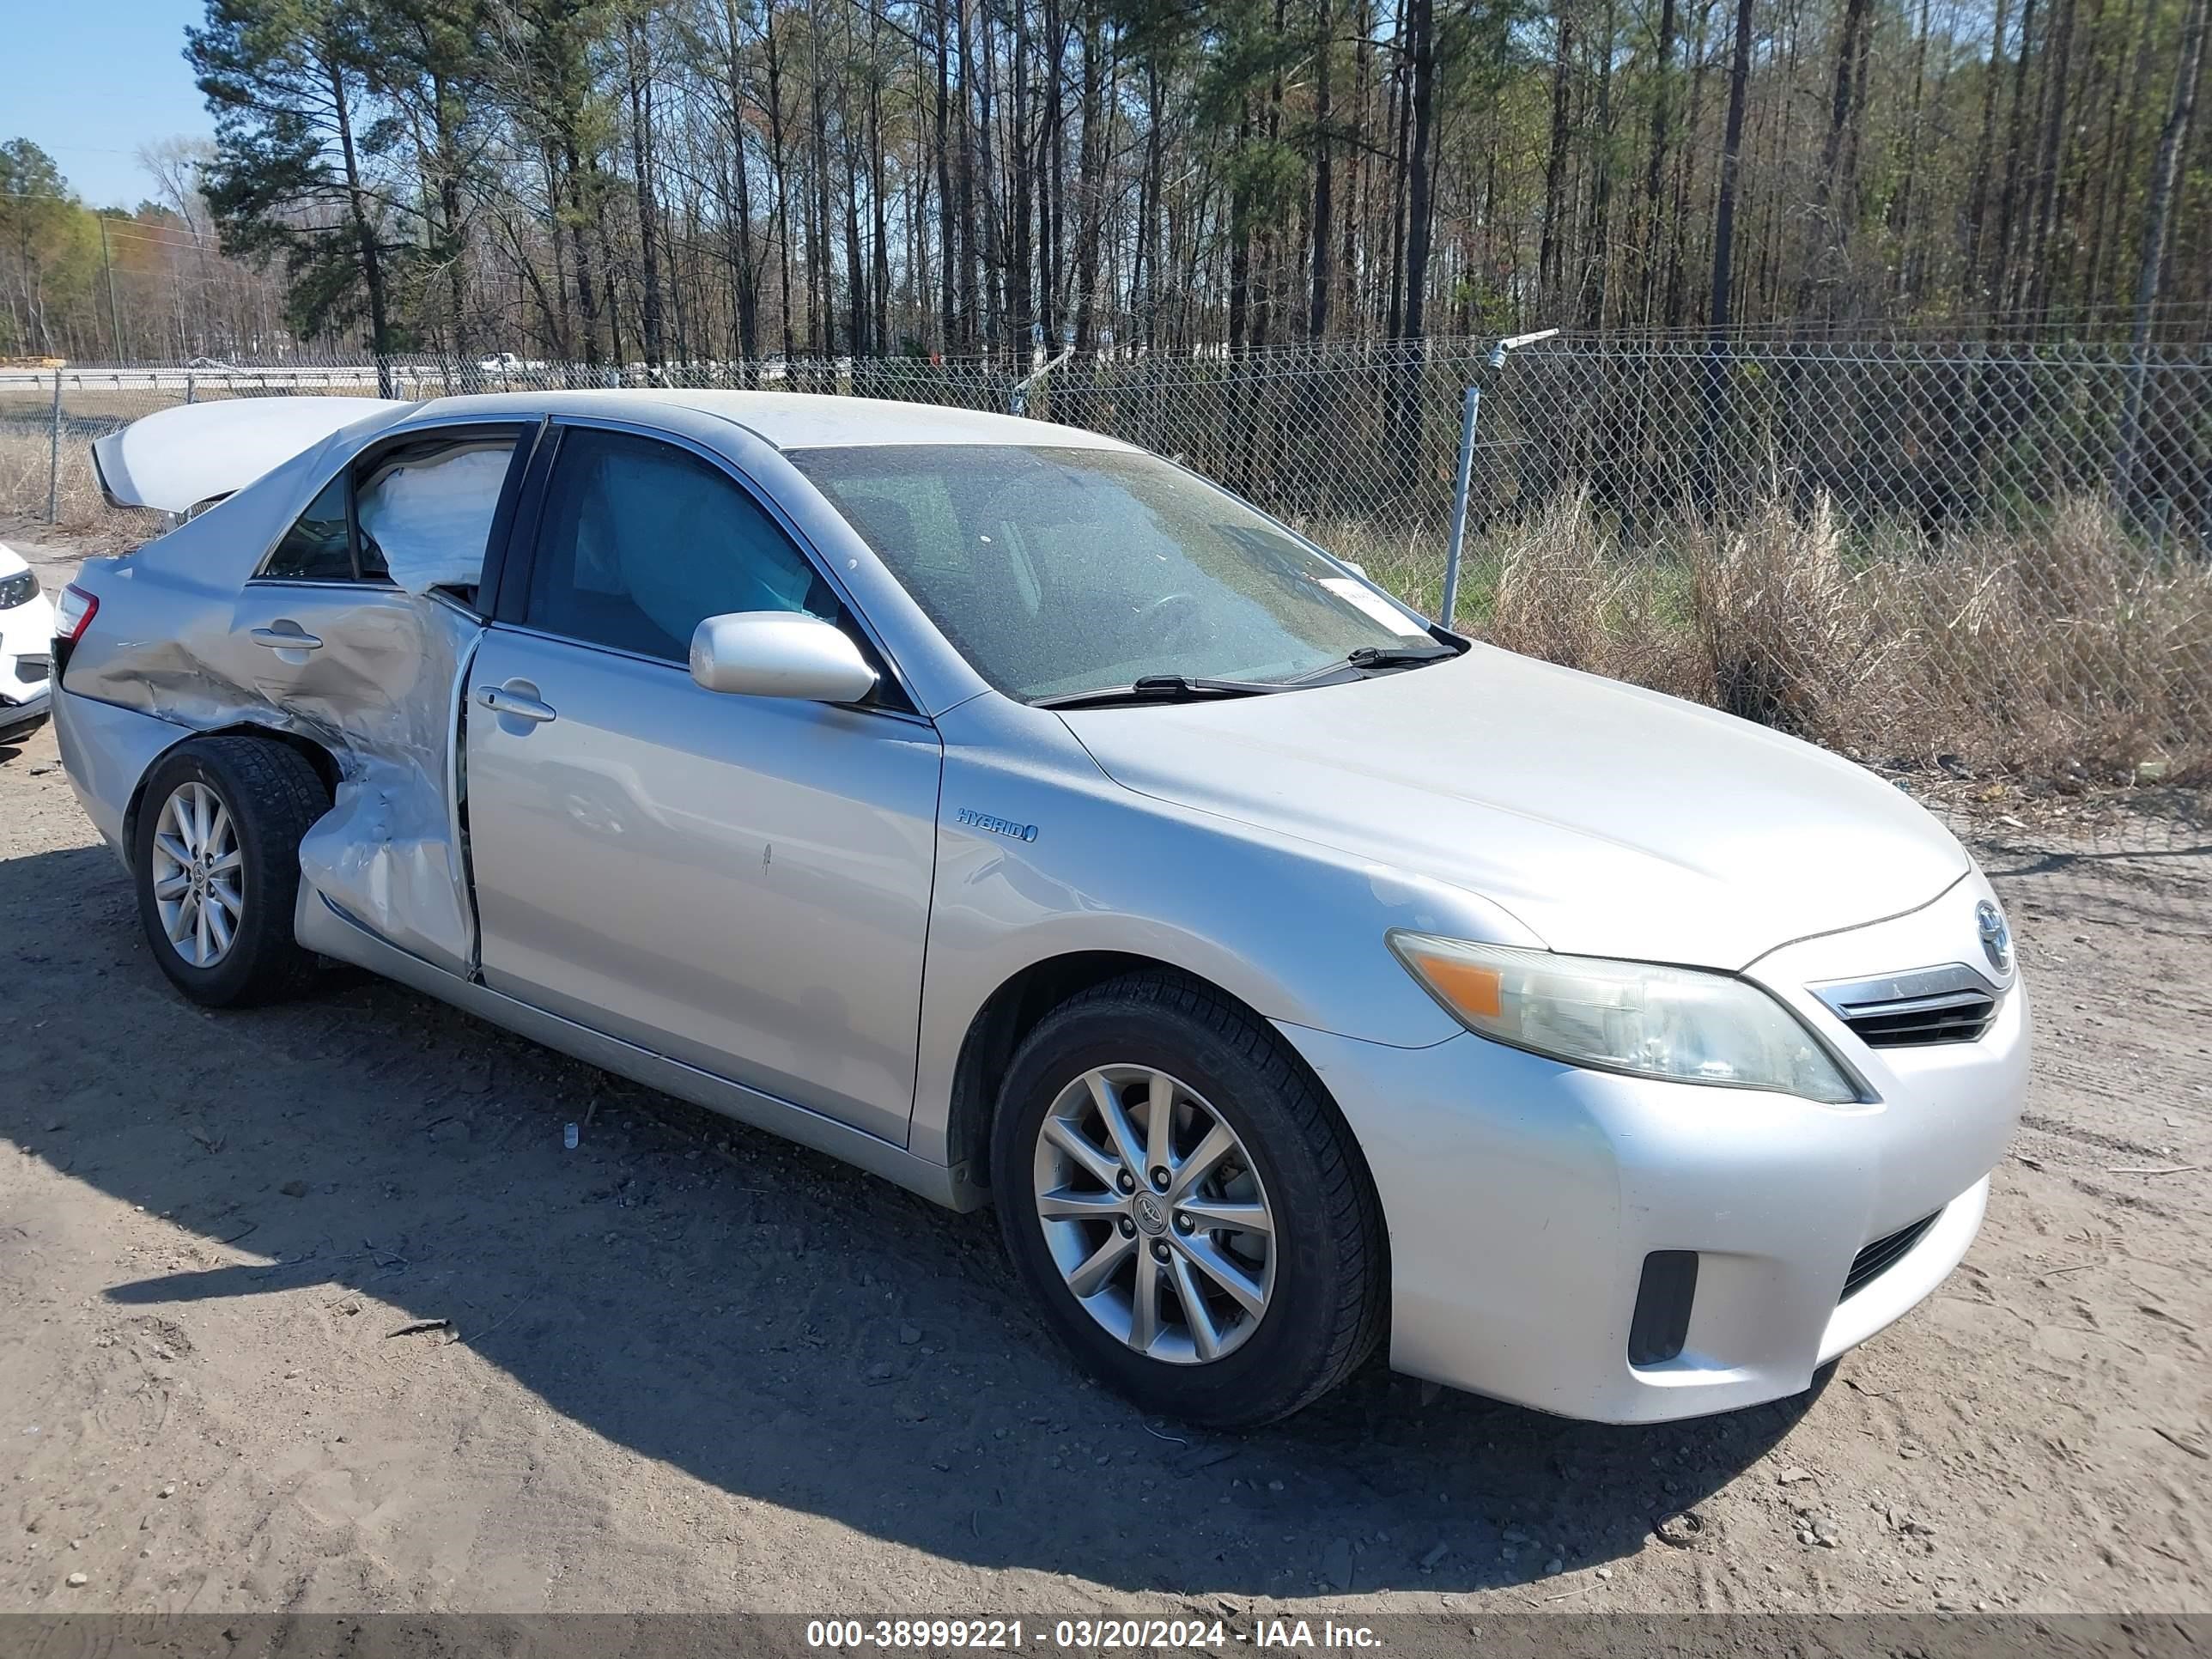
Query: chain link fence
{"type": "Point", "coordinates": [1985, 569]}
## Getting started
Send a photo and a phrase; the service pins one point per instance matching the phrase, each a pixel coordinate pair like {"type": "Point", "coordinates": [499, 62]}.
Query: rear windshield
{"type": "Point", "coordinates": [1059, 571]}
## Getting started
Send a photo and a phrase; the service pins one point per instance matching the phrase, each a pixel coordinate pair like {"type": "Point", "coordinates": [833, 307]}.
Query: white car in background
{"type": "Point", "coordinates": [27, 643]}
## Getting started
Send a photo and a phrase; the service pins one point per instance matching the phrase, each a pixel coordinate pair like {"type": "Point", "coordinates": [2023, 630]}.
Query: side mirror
{"type": "Point", "coordinates": [779, 653]}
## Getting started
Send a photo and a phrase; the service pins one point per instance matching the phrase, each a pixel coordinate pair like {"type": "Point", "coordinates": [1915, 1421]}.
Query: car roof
{"type": "Point", "coordinates": [799, 420]}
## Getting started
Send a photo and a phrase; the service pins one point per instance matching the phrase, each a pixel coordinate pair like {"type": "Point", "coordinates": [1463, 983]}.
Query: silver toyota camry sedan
{"type": "Point", "coordinates": [1025, 819]}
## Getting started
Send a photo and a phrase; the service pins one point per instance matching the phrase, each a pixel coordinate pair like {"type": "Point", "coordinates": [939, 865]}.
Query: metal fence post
{"type": "Point", "coordinates": [54, 457]}
{"type": "Point", "coordinates": [1017, 398]}
{"type": "Point", "coordinates": [190, 385]}
{"type": "Point", "coordinates": [1470, 406]}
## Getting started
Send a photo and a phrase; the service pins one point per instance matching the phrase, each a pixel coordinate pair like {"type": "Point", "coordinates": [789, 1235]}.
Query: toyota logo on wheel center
{"type": "Point", "coordinates": [1150, 1216]}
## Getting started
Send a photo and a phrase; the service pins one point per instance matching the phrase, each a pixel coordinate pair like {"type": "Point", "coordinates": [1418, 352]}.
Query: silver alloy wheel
{"type": "Point", "coordinates": [1153, 1212]}
{"type": "Point", "coordinates": [199, 874]}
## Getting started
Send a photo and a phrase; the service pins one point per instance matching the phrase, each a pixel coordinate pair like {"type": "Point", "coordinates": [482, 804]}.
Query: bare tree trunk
{"type": "Point", "coordinates": [824, 296]}
{"type": "Point", "coordinates": [859, 318]}
{"type": "Point", "coordinates": [580, 253]}
{"type": "Point", "coordinates": [1662, 99]}
{"type": "Point", "coordinates": [1731, 173]}
{"type": "Point", "coordinates": [2157, 217]}
{"type": "Point", "coordinates": [879, 228]}
{"type": "Point", "coordinates": [1149, 227]}
{"type": "Point", "coordinates": [1714, 388]}
{"type": "Point", "coordinates": [1977, 193]}
{"type": "Point", "coordinates": [741, 233]}
{"type": "Point", "coordinates": [1551, 251]}
{"type": "Point", "coordinates": [1021, 274]}
{"type": "Point", "coordinates": [1090, 181]}
{"type": "Point", "coordinates": [1319, 247]}
{"type": "Point", "coordinates": [639, 65]}
{"type": "Point", "coordinates": [1420, 183]}
{"type": "Point", "coordinates": [948, 212]}
{"type": "Point", "coordinates": [775, 149]}
{"type": "Point", "coordinates": [1597, 271]}
{"type": "Point", "coordinates": [2052, 160]}
{"type": "Point", "coordinates": [1401, 116]}
{"type": "Point", "coordinates": [1997, 282]}
{"type": "Point", "coordinates": [1902, 210]}
{"type": "Point", "coordinates": [367, 247]}
{"type": "Point", "coordinates": [1240, 244]}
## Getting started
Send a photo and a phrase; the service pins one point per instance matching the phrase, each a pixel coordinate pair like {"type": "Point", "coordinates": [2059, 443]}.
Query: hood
{"type": "Point", "coordinates": [1610, 820]}
{"type": "Point", "coordinates": [179, 458]}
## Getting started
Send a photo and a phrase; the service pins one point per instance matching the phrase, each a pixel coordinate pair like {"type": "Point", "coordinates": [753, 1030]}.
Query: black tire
{"type": "Point", "coordinates": [273, 794]}
{"type": "Point", "coordinates": [1328, 1304]}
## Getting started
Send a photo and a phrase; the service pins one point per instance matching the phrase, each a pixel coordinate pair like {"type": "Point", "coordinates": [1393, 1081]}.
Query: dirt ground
{"type": "Point", "coordinates": [686, 1367]}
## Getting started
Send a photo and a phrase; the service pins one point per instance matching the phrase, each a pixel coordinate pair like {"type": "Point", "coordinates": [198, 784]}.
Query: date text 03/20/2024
{"type": "Point", "coordinates": [1082, 1634]}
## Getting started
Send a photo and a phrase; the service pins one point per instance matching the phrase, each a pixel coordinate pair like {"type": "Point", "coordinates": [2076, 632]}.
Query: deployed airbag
{"type": "Point", "coordinates": [431, 517]}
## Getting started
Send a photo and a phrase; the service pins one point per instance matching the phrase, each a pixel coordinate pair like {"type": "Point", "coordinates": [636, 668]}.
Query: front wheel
{"type": "Point", "coordinates": [1187, 1205]}
{"type": "Point", "coordinates": [217, 854]}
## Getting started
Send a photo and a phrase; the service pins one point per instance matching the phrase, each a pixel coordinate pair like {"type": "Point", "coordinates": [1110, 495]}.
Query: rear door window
{"type": "Point", "coordinates": [318, 547]}
{"type": "Point", "coordinates": [417, 516]}
{"type": "Point", "coordinates": [423, 514]}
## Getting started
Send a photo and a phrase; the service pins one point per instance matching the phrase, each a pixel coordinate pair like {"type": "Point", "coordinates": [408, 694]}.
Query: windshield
{"type": "Point", "coordinates": [1057, 572]}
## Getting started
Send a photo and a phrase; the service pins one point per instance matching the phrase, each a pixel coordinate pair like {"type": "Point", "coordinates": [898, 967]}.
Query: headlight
{"type": "Point", "coordinates": [1634, 1017]}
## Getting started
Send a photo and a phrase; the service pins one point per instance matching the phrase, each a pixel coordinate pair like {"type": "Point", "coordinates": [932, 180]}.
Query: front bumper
{"type": "Point", "coordinates": [1523, 1196]}
{"type": "Point", "coordinates": [18, 716]}
{"type": "Point", "coordinates": [26, 666]}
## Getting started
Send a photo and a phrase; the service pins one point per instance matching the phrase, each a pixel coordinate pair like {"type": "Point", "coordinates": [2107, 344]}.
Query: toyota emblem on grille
{"type": "Point", "coordinates": [1996, 937]}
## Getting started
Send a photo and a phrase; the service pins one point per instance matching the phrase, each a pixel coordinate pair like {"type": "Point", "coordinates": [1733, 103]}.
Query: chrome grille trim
{"type": "Point", "coordinates": [1951, 1003]}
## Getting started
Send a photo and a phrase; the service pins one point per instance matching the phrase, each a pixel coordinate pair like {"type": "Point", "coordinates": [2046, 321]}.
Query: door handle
{"type": "Point", "coordinates": [500, 700]}
{"type": "Point", "coordinates": [279, 639]}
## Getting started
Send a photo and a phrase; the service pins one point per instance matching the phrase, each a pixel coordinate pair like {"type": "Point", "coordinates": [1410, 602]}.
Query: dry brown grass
{"type": "Point", "coordinates": [24, 461]}
{"type": "Point", "coordinates": [2068, 653]}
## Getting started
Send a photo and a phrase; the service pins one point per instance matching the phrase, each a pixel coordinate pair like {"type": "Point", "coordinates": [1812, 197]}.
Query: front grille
{"type": "Point", "coordinates": [1885, 1253]}
{"type": "Point", "coordinates": [1951, 1004]}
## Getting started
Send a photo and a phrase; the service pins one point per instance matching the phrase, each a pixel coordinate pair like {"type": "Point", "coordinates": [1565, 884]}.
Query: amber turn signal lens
{"type": "Point", "coordinates": [1471, 989]}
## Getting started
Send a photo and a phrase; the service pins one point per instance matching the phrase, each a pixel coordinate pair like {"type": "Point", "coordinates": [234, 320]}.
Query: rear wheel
{"type": "Point", "coordinates": [216, 856]}
{"type": "Point", "coordinates": [1186, 1204]}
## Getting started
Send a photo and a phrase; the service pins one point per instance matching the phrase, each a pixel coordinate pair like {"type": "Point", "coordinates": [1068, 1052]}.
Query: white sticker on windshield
{"type": "Point", "coordinates": [1367, 599]}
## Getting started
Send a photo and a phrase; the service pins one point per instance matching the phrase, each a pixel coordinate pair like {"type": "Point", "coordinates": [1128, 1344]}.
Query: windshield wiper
{"type": "Point", "coordinates": [1185, 688]}
{"type": "Point", "coordinates": [1365, 658]}
{"type": "Point", "coordinates": [1397, 656]}
{"type": "Point", "coordinates": [1161, 688]}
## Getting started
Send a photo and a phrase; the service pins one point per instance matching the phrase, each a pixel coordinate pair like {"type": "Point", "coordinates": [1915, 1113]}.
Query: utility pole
{"type": "Point", "coordinates": [107, 263]}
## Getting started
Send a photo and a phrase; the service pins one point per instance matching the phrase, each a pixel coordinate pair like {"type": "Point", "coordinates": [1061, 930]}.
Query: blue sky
{"type": "Point", "coordinates": [109, 76]}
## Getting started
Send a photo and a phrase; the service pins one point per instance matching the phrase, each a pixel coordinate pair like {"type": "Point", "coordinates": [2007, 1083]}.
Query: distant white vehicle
{"type": "Point", "coordinates": [27, 630]}
{"type": "Point", "coordinates": [506, 363]}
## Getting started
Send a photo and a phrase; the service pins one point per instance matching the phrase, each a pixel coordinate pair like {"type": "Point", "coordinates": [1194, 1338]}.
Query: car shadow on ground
{"type": "Point", "coordinates": [761, 1318]}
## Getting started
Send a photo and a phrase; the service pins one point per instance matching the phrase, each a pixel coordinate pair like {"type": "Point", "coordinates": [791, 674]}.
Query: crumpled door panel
{"type": "Point", "coordinates": [388, 853]}
{"type": "Point", "coordinates": [379, 690]}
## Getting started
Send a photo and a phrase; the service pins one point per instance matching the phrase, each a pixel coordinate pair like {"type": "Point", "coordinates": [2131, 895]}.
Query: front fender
{"type": "Point", "coordinates": [1041, 856]}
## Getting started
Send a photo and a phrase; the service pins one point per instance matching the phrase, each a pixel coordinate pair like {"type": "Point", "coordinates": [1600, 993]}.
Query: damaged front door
{"type": "Point", "coordinates": [357, 629]}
